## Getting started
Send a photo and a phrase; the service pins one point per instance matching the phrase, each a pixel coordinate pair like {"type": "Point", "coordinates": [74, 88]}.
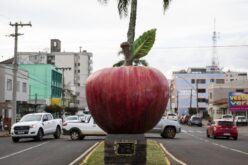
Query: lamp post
{"type": "Point", "coordinates": [191, 89]}
{"type": "Point", "coordinates": [63, 86]}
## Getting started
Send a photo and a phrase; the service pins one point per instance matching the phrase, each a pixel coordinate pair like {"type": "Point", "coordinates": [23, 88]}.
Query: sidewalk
{"type": "Point", "coordinates": [4, 133]}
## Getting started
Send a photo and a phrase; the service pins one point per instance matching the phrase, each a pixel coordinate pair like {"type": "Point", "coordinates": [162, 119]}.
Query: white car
{"type": "Point", "coordinates": [36, 125]}
{"type": "Point", "coordinates": [228, 117]}
{"type": "Point", "coordinates": [240, 120]}
{"type": "Point", "coordinates": [167, 128]}
{"type": "Point", "coordinates": [172, 116]}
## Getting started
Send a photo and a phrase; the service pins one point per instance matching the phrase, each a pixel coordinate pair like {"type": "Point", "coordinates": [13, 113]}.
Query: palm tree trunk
{"type": "Point", "coordinates": [132, 23]}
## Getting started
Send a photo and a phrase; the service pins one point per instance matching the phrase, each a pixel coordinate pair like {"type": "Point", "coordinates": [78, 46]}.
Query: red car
{"type": "Point", "coordinates": [222, 128]}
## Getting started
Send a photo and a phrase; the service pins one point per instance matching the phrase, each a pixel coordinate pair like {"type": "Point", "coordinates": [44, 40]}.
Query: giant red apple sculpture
{"type": "Point", "coordinates": [127, 100]}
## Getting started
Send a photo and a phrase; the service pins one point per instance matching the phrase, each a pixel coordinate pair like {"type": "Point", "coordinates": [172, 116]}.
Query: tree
{"type": "Point", "coordinates": [123, 11]}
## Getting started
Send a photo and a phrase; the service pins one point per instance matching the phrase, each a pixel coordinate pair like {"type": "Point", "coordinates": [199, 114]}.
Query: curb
{"type": "Point", "coordinates": [79, 159]}
{"type": "Point", "coordinates": [171, 156]}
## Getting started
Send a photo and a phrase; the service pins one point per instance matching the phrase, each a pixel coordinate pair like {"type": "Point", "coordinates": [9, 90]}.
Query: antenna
{"type": "Point", "coordinates": [215, 61]}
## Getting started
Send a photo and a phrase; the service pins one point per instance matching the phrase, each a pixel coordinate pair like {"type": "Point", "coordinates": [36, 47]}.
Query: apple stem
{"type": "Point", "coordinates": [126, 50]}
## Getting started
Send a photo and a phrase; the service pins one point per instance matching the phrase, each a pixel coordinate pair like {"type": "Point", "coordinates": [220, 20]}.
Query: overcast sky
{"type": "Point", "coordinates": [99, 29]}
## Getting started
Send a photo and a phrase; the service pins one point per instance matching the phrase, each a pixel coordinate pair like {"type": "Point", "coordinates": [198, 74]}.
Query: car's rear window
{"type": "Point", "coordinates": [225, 123]}
{"type": "Point", "coordinates": [171, 114]}
{"type": "Point", "coordinates": [196, 118]}
{"type": "Point", "coordinates": [242, 117]}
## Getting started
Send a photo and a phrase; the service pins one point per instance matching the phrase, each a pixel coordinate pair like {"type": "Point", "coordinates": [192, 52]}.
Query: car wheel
{"type": "Point", "coordinates": [57, 133]}
{"type": "Point", "coordinates": [15, 139]}
{"type": "Point", "coordinates": [207, 134]}
{"type": "Point", "coordinates": [169, 132]}
{"type": "Point", "coordinates": [39, 136]}
{"type": "Point", "coordinates": [74, 135]}
{"type": "Point", "coordinates": [82, 137]}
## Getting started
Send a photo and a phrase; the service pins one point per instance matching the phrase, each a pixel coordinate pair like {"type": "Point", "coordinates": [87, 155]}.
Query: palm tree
{"type": "Point", "coordinates": [123, 11]}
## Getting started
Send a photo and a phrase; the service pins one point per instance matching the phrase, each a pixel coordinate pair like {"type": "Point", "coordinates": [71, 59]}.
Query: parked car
{"type": "Point", "coordinates": [222, 128]}
{"type": "Point", "coordinates": [227, 117]}
{"type": "Point", "coordinates": [36, 125]}
{"type": "Point", "coordinates": [86, 127]}
{"type": "Point", "coordinates": [194, 120]}
{"type": "Point", "coordinates": [240, 120]}
{"type": "Point", "coordinates": [172, 116]}
{"type": "Point", "coordinates": [167, 128]}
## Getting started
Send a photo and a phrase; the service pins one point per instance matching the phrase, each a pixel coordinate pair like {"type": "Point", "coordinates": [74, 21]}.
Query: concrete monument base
{"type": "Point", "coordinates": [125, 149]}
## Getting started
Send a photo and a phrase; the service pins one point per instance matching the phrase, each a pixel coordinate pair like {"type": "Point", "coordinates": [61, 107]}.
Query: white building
{"type": "Point", "coordinates": [77, 67]}
{"type": "Point", "coordinates": [190, 88]}
{"type": "Point", "coordinates": [6, 89]}
{"type": "Point", "coordinates": [234, 76]}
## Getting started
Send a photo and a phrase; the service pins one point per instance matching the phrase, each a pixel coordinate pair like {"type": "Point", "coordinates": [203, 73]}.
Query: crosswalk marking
{"type": "Point", "coordinates": [192, 131]}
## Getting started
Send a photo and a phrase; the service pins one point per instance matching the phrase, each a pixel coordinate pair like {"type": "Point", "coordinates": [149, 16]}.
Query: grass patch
{"type": "Point", "coordinates": [155, 155]}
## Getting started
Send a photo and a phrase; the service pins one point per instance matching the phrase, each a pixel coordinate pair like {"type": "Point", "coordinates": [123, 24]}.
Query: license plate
{"type": "Point", "coordinates": [226, 134]}
{"type": "Point", "coordinates": [20, 132]}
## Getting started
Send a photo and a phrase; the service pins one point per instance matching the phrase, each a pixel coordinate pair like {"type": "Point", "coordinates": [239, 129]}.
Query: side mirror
{"type": "Point", "coordinates": [45, 120]}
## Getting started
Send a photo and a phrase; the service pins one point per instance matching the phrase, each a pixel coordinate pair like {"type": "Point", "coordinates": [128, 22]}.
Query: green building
{"type": "Point", "coordinates": [45, 84]}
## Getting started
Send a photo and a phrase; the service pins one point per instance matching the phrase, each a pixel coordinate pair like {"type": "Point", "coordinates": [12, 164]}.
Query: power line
{"type": "Point", "coordinates": [197, 47]}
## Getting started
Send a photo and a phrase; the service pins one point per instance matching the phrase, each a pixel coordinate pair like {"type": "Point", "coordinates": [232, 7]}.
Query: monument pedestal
{"type": "Point", "coordinates": [125, 149]}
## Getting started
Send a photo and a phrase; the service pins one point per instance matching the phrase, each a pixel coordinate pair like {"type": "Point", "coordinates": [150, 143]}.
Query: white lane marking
{"type": "Point", "coordinates": [19, 152]}
{"type": "Point", "coordinates": [84, 154]}
{"type": "Point", "coordinates": [173, 157]}
{"type": "Point", "coordinates": [216, 144]}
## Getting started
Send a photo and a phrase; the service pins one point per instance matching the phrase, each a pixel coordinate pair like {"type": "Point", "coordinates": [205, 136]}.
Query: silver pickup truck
{"type": "Point", "coordinates": [85, 127]}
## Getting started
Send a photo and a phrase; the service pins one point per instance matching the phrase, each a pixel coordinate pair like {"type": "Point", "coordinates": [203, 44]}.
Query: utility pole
{"type": "Point", "coordinates": [197, 106]}
{"type": "Point", "coordinates": [15, 65]}
{"type": "Point", "coordinates": [177, 100]}
{"type": "Point", "coordinates": [190, 102]}
{"type": "Point", "coordinates": [63, 86]}
{"type": "Point", "coordinates": [170, 97]}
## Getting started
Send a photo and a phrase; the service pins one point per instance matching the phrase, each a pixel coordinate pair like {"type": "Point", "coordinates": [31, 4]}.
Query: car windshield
{"type": "Point", "coordinates": [227, 117]}
{"type": "Point", "coordinates": [241, 117]}
{"type": "Point", "coordinates": [71, 118]}
{"type": "Point", "coordinates": [225, 123]}
{"type": "Point", "coordinates": [196, 118]}
{"type": "Point", "coordinates": [171, 114]}
{"type": "Point", "coordinates": [33, 117]}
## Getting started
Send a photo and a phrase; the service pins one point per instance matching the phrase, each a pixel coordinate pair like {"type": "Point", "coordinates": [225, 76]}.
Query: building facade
{"type": "Point", "coordinates": [45, 84]}
{"type": "Point", "coordinates": [6, 90]}
{"type": "Point", "coordinates": [235, 76]}
{"type": "Point", "coordinates": [79, 66]}
{"type": "Point", "coordinates": [190, 88]}
{"type": "Point", "coordinates": [218, 97]}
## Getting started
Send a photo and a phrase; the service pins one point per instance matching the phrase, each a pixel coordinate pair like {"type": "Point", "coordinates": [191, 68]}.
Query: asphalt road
{"type": "Point", "coordinates": [193, 148]}
{"type": "Point", "coordinates": [47, 152]}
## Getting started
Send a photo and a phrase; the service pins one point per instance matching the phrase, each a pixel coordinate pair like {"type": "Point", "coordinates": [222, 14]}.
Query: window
{"type": "Point", "coordinates": [211, 80]}
{"type": "Point", "coordinates": [210, 95]}
{"type": "Point", "coordinates": [203, 100]}
{"type": "Point", "coordinates": [24, 87]}
{"type": "Point", "coordinates": [192, 81]}
{"type": "Point", "coordinates": [78, 71]}
{"type": "Point", "coordinates": [220, 81]}
{"type": "Point", "coordinates": [239, 90]}
{"type": "Point", "coordinates": [9, 84]}
{"type": "Point", "coordinates": [201, 90]}
{"type": "Point", "coordinates": [78, 64]}
{"type": "Point", "coordinates": [201, 81]}
{"type": "Point", "coordinates": [18, 86]}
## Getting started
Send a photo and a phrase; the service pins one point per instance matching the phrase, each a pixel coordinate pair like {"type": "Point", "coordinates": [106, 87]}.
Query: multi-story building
{"type": "Point", "coordinates": [6, 90]}
{"type": "Point", "coordinates": [190, 88]}
{"type": "Point", "coordinates": [77, 67]}
{"type": "Point", "coordinates": [234, 76]}
{"type": "Point", "coordinates": [218, 97]}
{"type": "Point", "coordinates": [45, 84]}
